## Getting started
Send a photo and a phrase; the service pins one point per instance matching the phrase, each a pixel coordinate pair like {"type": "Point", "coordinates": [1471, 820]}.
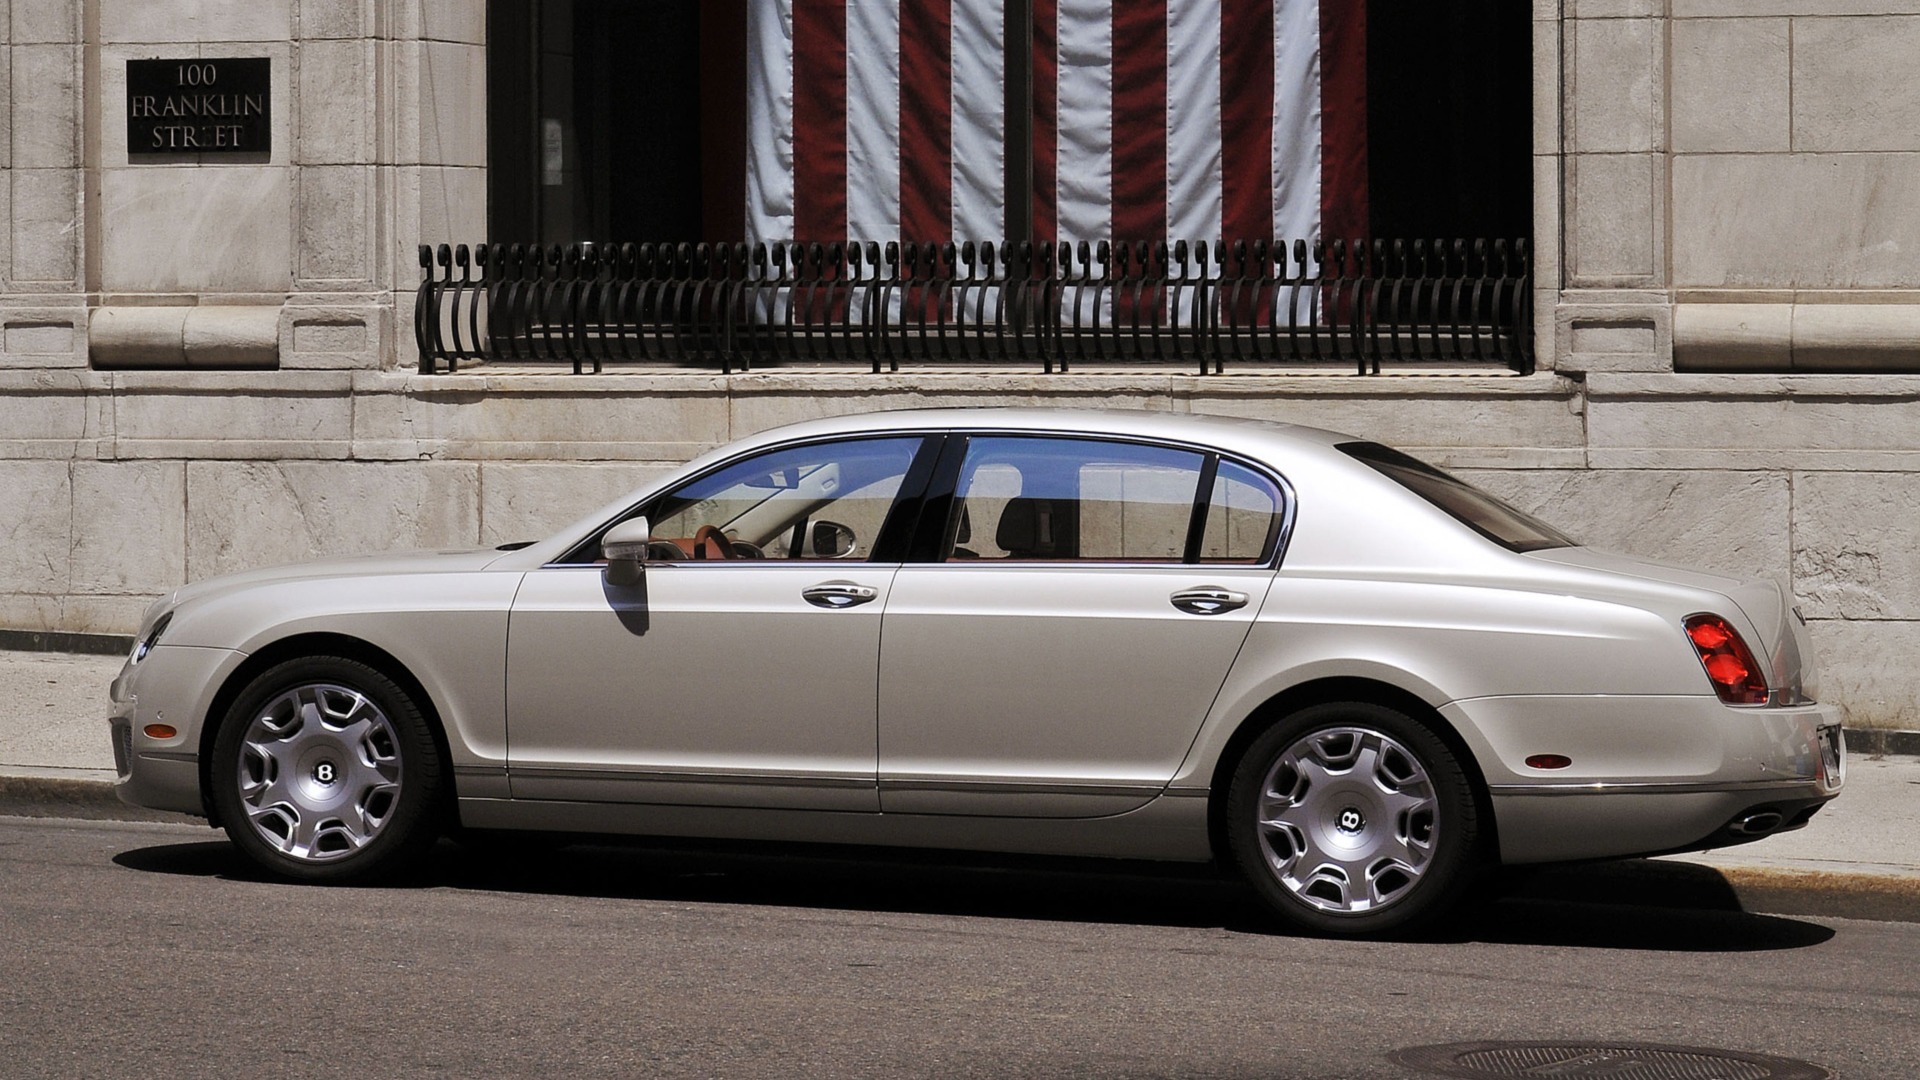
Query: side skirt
{"type": "Point", "coordinates": [1173, 829]}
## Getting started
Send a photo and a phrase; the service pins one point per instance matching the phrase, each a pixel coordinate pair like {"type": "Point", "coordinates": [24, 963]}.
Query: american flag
{"type": "Point", "coordinates": [1149, 119]}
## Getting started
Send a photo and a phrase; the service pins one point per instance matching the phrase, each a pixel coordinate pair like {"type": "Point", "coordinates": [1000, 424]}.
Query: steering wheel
{"type": "Point", "coordinates": [710, 543]}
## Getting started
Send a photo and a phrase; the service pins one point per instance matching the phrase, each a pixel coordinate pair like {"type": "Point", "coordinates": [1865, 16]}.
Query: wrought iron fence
{"type": "Point", "coordinates": [741, 306]}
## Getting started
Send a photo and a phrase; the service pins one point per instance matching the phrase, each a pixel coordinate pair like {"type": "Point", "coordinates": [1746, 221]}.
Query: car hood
{"type": "Point", "coordinates": [1766, 603]}
{"type": "Point", "coordinates": [456, 561]}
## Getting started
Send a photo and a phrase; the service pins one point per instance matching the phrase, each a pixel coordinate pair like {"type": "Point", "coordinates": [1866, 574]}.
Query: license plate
{"type": "Point", "coordinates": [1833, 753]}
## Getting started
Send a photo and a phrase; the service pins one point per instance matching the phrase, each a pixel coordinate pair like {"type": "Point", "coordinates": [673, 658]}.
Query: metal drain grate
{"type": "Point", "coordinates": [1613, 1061]}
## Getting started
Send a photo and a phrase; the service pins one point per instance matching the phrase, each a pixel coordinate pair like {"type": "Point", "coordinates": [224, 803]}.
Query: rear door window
{"type": "Point", "coordinates": [1040, 499]}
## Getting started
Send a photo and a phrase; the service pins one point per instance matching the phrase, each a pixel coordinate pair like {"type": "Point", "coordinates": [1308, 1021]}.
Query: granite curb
{"type": "Point", "coordinates": [84, 798]}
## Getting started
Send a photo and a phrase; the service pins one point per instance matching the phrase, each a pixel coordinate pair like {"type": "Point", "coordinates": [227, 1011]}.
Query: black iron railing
{"type": "Point", "coordinates": [738, 307]}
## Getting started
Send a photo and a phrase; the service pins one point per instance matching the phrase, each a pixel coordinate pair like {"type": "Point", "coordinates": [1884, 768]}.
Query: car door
{"type": "Point", "coordinates": [740, 670]}
{"type": "Point", "coordinates": [1056, 650]}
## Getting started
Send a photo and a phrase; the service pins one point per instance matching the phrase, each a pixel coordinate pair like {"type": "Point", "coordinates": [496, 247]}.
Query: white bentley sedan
{"type": "Point", "coordinates": [1312, 658]}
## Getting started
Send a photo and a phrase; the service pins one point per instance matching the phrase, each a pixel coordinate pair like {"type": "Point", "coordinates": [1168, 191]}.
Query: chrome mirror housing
{"type": "Point", "coordinates": [625, 548]}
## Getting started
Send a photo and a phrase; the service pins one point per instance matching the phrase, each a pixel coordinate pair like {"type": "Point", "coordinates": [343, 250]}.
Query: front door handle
{"type": "Point", "coordinates": [838, 594]}
{"type": "Point", "coordinates": [1208, 600]}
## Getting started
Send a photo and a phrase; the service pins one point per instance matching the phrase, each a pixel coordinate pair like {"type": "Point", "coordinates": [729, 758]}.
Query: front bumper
{"type": "Point", "coordinates": [173, 686]}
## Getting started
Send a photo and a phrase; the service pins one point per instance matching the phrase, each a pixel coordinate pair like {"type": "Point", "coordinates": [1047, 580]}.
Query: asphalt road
{"type": "Point", "coordinates": [140, 949]}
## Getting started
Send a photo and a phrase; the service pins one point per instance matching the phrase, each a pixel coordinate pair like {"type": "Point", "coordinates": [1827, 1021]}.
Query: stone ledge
{"type": "Point", "coordinates": [373, 449]}
{"type": "Point", "coordinates": [279, 383]}
{"type": "Point", "coordinates": [1617, 335]}
{"type": "Point", "coordinates": [194, 337]}
{"type": "Point", "coordinates": [1717, 9]}
{"type": "Point", "coordinates": [263, 450]}
{"type": "Point", "coordinates": [1754, 385]}
{"type": "Point", "coordinates": [50, 381]}
{"type": "Point", "coordinates": [91, 449]}
{"type": "Point", "coordinates": [1795, 296]}
{"type": "Point", "coordinates": [1755, 460]}
{"type": "Point", "coordinates": [653, 380]}
{"type": "Point", "coordinates": [42, 337]}
{"type": "Point", "coordinates": [1771, 337]}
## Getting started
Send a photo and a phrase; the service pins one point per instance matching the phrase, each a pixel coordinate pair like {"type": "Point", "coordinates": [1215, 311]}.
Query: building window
{"type": "Point", "coordinates": [726, 120]}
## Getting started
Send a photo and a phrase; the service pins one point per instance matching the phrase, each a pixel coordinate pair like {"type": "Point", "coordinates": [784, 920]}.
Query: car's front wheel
{"type": "Point", "coordinates": [324, 769]}
{"type": "Point", "coordinates": [1351, 818]}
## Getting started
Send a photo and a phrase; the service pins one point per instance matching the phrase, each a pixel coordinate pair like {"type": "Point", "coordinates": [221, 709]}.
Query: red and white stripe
{"type": "Point", "coordinates": [1181, 119]}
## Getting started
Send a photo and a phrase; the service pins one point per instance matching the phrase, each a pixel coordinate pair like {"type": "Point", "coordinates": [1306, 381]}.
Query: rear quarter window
{"type": "Point", "coordinates": [1488, 515]}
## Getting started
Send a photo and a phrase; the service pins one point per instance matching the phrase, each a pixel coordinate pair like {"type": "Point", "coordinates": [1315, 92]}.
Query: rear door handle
{"type": "Point", "coordinates": [1208, 600]}
{"type": "Point", "coordinates": [838, 594]}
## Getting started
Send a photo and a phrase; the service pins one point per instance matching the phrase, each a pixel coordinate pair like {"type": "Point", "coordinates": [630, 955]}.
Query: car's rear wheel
{"type": "Point", "coordinates": [324, 769]}
{"type": "Point", "coordinates": [1351, 818]}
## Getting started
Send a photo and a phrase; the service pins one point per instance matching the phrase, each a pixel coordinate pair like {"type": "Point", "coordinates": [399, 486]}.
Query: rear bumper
{"type": "Point", "coordinates": [1777, 768]}
{"type": "Point", "coordinates": [1608, 824]}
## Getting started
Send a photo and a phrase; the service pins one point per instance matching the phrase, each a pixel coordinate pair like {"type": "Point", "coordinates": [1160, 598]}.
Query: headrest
{"type": "Point", "coordinates": [1035, 527]}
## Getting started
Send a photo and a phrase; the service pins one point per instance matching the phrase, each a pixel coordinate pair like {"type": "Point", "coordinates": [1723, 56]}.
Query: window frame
{"type": "Point", "coordinates": [889, 546]}
{"type": "Point", "coordinates": [933, 536]}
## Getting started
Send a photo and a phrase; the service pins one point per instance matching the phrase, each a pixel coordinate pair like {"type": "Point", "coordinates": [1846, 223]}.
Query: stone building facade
{"type": "Point", "coordinates": [206, 361]}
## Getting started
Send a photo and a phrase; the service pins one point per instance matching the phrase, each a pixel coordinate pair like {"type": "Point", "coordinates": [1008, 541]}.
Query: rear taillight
{"type": "Point", "coordinates": [1731, 668]}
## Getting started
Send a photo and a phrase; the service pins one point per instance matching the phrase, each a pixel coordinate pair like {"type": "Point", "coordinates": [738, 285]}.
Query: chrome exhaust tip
{"type": "Point", "coordinates": [1758, 823]}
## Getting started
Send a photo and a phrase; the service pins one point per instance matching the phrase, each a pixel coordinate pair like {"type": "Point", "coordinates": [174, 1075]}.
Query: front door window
{"type": "Point", "coordinates": [823, 501]}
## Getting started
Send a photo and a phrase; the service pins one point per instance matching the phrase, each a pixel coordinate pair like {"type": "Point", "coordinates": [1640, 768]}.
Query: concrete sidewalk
{"type": "Point", "coordinates": [1860, 856]}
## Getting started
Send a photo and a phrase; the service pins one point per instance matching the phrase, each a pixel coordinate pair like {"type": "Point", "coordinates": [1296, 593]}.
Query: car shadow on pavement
{"type": "Point", "coordinates": [1667, 907]}
{"type": "Point", "coordinates": [1639, 904]}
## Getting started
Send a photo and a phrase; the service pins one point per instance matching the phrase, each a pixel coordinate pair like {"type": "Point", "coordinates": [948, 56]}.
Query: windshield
{"type": "Point", "coordinates": [1485, 514]}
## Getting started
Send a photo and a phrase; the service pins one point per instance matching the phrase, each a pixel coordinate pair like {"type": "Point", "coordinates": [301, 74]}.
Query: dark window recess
{"type": "Point", "coordinates": [1450, 118]}
{"type": "Point", "coordinates": [623, 122]}
{"type": "Point", "coordinates": [595, 116]}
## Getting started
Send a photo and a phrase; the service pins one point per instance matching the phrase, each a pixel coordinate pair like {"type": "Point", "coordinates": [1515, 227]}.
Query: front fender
{"type": "Point", "coordinates": [449, 630]}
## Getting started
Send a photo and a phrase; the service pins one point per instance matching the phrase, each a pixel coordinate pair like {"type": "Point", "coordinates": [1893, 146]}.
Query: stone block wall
{"type": "Point", "coordinates": [204, 363]}
{"type": "Point", "coordinates": [115, 486]}
{"type": "Point", "coordinates": [299, 257]}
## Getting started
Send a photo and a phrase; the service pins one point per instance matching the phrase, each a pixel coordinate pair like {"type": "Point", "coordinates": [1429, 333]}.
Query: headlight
{"type": "Point", "coordinates": [145, 645]}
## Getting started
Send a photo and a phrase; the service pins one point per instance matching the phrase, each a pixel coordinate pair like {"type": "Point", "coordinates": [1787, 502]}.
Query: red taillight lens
{"type": "Point", "coordinates": [1731, 668]}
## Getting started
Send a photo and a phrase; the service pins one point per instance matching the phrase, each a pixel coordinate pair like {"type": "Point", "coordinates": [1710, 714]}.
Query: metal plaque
{"type": "Point", "coordinates": [202, 105]}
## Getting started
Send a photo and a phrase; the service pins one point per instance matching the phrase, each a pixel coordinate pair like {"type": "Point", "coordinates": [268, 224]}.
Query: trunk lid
{"type": "Point", "coordinates": [1766, 603]}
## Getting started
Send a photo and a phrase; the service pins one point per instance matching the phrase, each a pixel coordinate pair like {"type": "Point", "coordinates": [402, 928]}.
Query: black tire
{"type": "Point", "coordinates": [1353, 819]}
{"type": "Point", "coordinates": [325, 770]}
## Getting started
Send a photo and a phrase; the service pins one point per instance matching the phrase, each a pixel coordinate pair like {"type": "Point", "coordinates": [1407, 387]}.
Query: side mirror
{"type": "Point", "coordinates": [625, 548]}
{"type": "Point", "coordinates": [832, 540]}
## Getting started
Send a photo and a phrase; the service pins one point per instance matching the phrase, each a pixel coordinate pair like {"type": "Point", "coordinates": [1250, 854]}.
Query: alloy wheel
{"type": "Point", "coordinates": [1348, 820]}
{"type": "Point", "coordinates": [319, 772]}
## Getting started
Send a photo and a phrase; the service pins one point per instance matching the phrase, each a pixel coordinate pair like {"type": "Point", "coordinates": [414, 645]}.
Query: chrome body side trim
{"type": "Point", "coordinates": [673, 776]}
{"type": "Point", "coordinates": [994, 787]}
{"type": "Point", "coordinates": [1637, 788]}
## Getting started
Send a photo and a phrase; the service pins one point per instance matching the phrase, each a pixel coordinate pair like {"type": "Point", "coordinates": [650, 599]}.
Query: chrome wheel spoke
{"type": "Point", "coordinates": [335, 836]}
{"type": "Point", "coordinates": [304, 835]}
{"type": "Point", "coordinates": [278, 824]}
{"type": "Point", "coordinates": [260, 781]}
